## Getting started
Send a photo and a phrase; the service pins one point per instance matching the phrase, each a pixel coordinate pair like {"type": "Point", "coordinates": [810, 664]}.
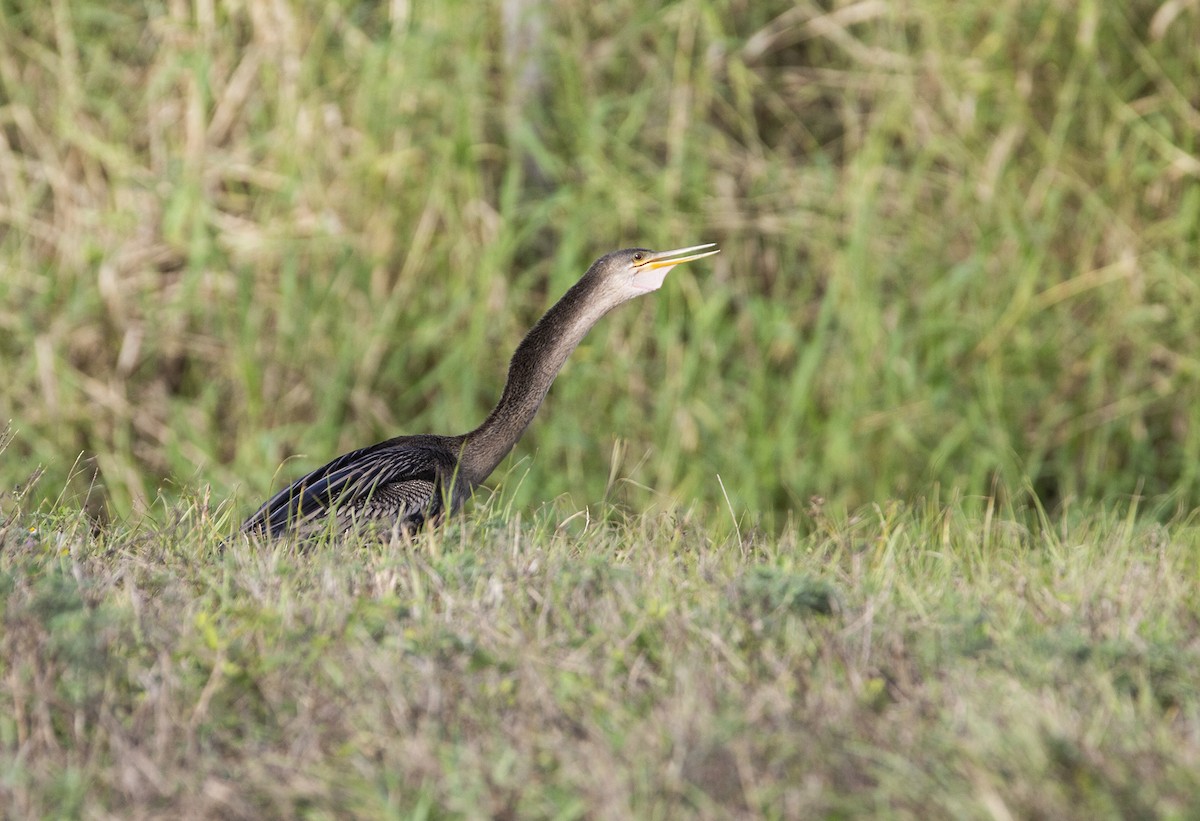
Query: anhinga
{"type": "Point", "coordinates": [403, 482]}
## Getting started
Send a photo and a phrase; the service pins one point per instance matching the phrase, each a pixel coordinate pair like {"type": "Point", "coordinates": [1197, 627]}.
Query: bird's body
{"type": "Point", "coordinates": [402, 483]}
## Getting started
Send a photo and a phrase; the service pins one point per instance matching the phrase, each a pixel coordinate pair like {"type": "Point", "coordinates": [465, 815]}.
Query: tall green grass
{"type": "Point", "coordinates": [959, 245]}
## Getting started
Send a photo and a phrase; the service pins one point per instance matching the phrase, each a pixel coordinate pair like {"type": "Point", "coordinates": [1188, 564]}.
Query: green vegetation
{"type": "Point", "coordinates": [909, 663]}
{"type": "Point", "coordinates": [960, 244]}
{"type": "Point", "coordinates": [884, 511]}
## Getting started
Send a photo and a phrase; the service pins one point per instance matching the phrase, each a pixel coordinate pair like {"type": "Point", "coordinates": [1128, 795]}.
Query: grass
{"type": "Point", "coordinates": [954, 660]}
{"type": "Point", "coordinates": [887, 511]}
{"type": "Point", "coordinates": [959, 243]}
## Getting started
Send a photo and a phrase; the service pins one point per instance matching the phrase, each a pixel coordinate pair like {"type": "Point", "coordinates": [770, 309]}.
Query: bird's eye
{"type": "Point", "coordinates": [637, 257]}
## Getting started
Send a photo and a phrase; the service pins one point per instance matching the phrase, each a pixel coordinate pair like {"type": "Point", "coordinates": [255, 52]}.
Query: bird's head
{"type": "Point", "coordinates": [636, 271]}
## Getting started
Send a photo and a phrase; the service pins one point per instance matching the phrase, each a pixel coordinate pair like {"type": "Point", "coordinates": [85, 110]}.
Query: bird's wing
{"type": "Point", "coordinates": [399, 471]}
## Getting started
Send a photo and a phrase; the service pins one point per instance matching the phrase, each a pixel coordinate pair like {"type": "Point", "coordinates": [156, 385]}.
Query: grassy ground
{"type": "Point", "coordinates": [948, 661]}
{"type": "Point", "coordinates": [958, 272]}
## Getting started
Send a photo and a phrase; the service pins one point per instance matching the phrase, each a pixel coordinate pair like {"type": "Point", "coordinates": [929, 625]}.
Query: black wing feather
{"type": "Point", "coordinates": [350, 480]}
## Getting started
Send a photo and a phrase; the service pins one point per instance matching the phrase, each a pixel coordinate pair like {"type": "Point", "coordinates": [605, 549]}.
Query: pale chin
{"type": "Point", "coordinates": [651, 280]}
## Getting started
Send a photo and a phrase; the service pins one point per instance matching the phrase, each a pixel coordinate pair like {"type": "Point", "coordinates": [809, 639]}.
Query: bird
{"type": "Point", "coordinates": [402, 484]}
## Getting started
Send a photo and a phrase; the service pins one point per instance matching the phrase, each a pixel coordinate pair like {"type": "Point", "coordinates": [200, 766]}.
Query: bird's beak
{"type": "Point", "coordinates": [667, 259]}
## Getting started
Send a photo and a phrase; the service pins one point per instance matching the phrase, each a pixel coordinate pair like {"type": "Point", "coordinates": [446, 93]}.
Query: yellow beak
{"type": "Point", "coordinates": [665, 259]}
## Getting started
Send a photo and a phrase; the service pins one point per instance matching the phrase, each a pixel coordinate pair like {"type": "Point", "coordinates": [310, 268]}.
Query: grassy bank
{"type": "Point", "coordinates": [884, 512]}
{"type": "Point", "coordinates": [955, 661]}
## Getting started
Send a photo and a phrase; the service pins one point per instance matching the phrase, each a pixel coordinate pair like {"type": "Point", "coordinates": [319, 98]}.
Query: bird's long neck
{"type": "Point", "coordinates": [534, 366]}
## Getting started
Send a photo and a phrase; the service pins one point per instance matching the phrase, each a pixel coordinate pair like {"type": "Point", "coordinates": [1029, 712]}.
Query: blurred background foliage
{"type": "Point", "coordinates": [959, 241]}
